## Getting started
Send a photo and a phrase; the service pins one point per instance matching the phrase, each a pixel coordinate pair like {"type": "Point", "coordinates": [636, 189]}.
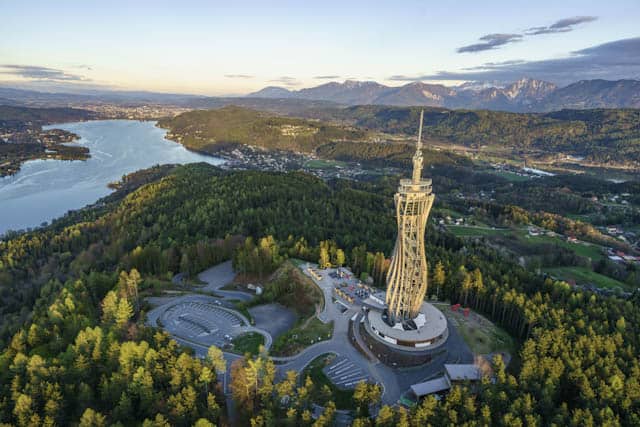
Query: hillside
{"type": "Point", "coordinates": [602, 136]}
{"type": "Point", "coordinates": [74, 347]}
{"type": "Point", "coordinates": [214, 130]}
{"type": "Point", "coordinates": [210, 130]}
{"type": "Point", "coordinates": [42, 116]}
{"type": "Point", "coordinates": [593, 94]}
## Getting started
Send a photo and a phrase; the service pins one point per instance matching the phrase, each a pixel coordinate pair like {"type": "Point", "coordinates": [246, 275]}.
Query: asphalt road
{"type": "Point", "coordinates": [219, 276]}
{"type": "Point", "coordinates": [273, 318]}
{"type": "Point", "coordinates": [393, 381]}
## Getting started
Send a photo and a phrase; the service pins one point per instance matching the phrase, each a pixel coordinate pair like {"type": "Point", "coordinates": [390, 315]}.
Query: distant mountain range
{"type": "Point", "coordinates": [525, 95]}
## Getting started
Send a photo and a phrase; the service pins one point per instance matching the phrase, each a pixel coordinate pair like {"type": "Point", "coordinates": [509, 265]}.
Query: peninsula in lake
{"type": "Point", "coordinates": [23, 138]}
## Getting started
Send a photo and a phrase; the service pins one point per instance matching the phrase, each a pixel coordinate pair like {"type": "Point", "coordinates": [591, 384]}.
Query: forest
{"type": "Point", "coordinates": [601, 135]}
{"type": "Point", "coordinates": [75, 349]}
{"type": "Point", "coordinates": [41, 116]}
{"type": "Point", "coordinates": [209, 130]}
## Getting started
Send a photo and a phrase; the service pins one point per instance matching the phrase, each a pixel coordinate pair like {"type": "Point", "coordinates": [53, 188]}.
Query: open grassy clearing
{"type": "Point", "coordinates": [481, 335]}
{"type": "Point", "coordinates": [477, 231]}
{"type": "Point", "coordinates": [584, 276]}
{"type": "Point", "coordinates": [579, 217]}
{"type": "Point", "coordinates": [248, 343]}
{"type": "Point", "coordinates": [446, 211]}
{"type": "Point", "coordinates": [324, 164]}
{"type": "Point", "coordinates": [588, 250]}
{"type": "Point", "coordinates": [301, 336]}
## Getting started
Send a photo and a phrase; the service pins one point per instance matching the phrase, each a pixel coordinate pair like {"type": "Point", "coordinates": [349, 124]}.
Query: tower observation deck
{"type": "Point", "coordinates": [407, 276]}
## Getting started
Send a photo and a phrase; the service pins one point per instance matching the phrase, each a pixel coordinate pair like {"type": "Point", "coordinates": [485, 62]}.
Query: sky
{"type": "Point", "coordinates": [214, 47]}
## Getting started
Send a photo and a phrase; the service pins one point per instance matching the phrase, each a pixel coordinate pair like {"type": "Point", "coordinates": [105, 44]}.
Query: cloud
{"type": "Point", "coordinates": [490, 41]}
{"type": "Point", "coordinates": [403, 78]}
{"type": "Point", "coordinates": [494, 41]}
{"type": "Point", "coordinates": [35, 72]}
{"type": "Point", "coordinates": [326, 77]}
{"type": "Point", "coordinates": [615, 60]}
{"type": "Point", "coordinates": [238, 76]}
{"type": "Point", "coordinates": [561, 26]}
{"type": "Point", "coordinates": [286, 81]}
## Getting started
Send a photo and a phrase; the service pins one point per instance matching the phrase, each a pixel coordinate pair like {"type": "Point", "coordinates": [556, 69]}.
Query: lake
{"type": "Point", "coordinates": [46, 189]}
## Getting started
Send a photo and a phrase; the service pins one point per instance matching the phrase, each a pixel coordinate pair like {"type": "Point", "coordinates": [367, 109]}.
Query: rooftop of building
{"type": "Point", "coordinates": [431, 324]}
{"type": "Point", "coordinates": [463, 372]}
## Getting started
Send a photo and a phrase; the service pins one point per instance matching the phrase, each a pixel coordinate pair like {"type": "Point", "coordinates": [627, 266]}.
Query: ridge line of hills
{"type": "Point", "coordinates": [524, 95]}
{"type": "Point", "coordinates": [601, 136]}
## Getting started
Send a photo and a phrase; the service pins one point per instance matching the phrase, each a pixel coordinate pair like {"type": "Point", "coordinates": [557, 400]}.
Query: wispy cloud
{"type": "Point", "coordinates": [403, 78]}
{"type": "Point", "coordinates": [286, 81]}
{"type": "Point", "coordinates": [494, 41]}
{"type": "Point", "coordinates": [238, 76]}
{"type": "Point", "coordinates": [36, 72]}
{"type": "Point", "coordinates": [561, 26]}
{"type": "Point", "coordinates": [329, 77]}
{"type": "Point", "coordinates": [490, 41]}
{"type": "Point", "coordinates": [615, 60]}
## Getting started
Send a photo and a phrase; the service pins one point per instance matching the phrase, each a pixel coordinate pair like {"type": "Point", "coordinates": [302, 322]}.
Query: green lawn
{"type": "Point", "coordinates": [584, 276]}
{"type": "Point", "coordinates": [579, 217]}
{"type": "Point", "coordinates": [248, 343]}
{"type": "Point", "coordinates": [324, 164]}
{"type": "Point", "coordinates": [342, 398]}
{"type": "Point", "coordinates": [300, 336]}
{"type": "Point", "coordinates": [473, 231]}
{"type": "Point", "coordinates": [446, 211]}
{"type": "Point", "coordinates": [588, 250]}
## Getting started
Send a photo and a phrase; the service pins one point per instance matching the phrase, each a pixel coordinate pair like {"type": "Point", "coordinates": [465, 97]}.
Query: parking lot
{"type": "Point", "coordinates": [344, 373]}
{"type": "Point", "coordinates": [204, 322]}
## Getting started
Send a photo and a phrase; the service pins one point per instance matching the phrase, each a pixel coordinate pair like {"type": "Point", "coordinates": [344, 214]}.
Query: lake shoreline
{"type": "Point", "coordinates": [45, 189]}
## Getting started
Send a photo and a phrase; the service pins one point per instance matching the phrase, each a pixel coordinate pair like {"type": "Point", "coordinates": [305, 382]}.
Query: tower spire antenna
{"type": "Point", "coordinates": [419, 144]}
{"type": "Point", "coordinates": [417, 157]}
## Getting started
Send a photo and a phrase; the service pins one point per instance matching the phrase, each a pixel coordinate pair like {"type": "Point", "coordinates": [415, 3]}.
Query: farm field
{"type": "Point", "coordinates": [584, 276]}
{"type": "Point", "coordinates": [476, 231]}
{"type": "Point", "coordinates": [324, 164]}
{"type": "Point", "coordinates": [584, 249]}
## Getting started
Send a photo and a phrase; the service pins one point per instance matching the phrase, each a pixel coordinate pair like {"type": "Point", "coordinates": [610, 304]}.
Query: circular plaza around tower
{"type": "Point", "coordinates": [430, 330]}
